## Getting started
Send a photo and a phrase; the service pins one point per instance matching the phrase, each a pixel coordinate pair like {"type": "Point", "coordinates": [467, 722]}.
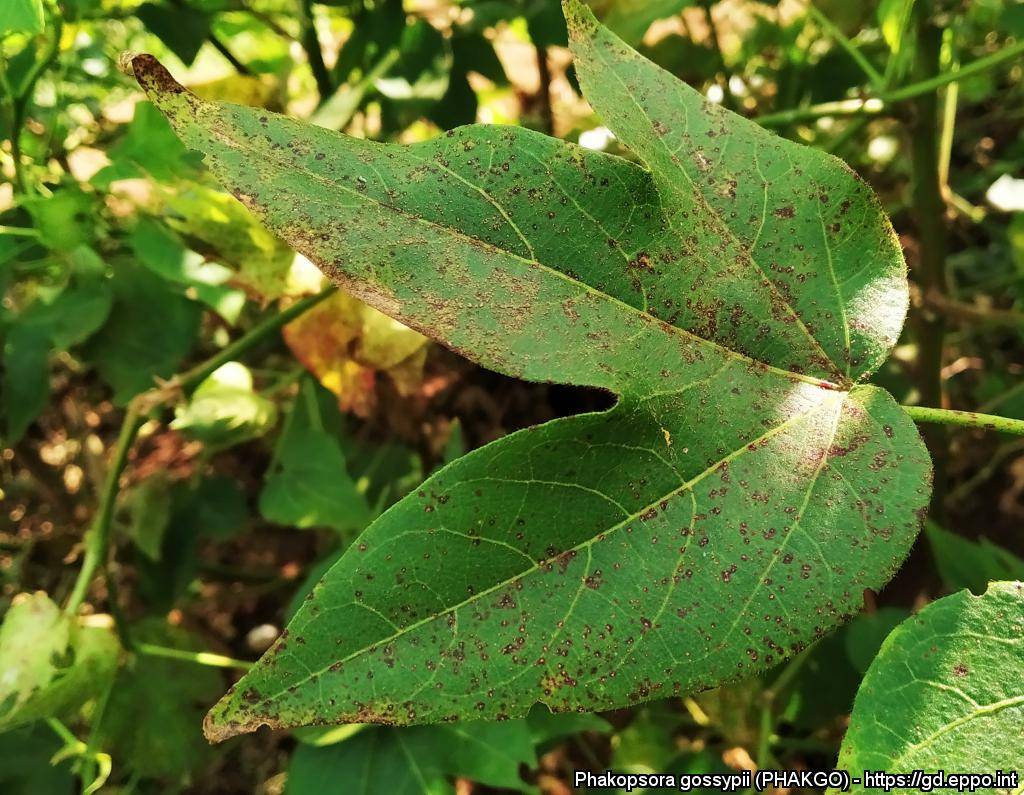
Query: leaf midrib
{"type": "Point", "coordinates": [682, 488]}
{"type": "Point", "coordinates": [983, 711]}
{"type": "Point", "coordinates": [648, 318]}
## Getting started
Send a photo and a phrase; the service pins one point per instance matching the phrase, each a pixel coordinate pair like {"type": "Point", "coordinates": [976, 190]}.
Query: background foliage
{"type": "Point", "coordinates": [139, 295]}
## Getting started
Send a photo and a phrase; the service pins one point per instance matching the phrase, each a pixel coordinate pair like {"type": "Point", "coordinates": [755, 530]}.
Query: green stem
{"type": "Point", "coordinates": [954, 76]}
{"type": "Point", "coordinates": [929, 209]}
{"type": "Point", "coordinates": [769, 697]}
{"type": "Point", "coordinates": [843, 41]}
{"type": "Point", "coordinates": [18, 231]}
{"type": "Point", "coordinates": [337, 110]}
{"type": "Point", "coordinates": [728, 100]}
{"type": "Point", "coordinates": [965, 419]}
{"type": "Point", "coordinates": [23, 102]}
{"type": "Point", "coordinates": [311, 44]}
{"type": "Point", "coordinates": [197, 657]}
{"type": "Point", "coordinates": [958, 310]}
{"type": "Point", "coordinates": [229, 56]}
{"type": "Point", "coordinates": [544, 91]}
{"type": "Point", "coordinates": [98, 538]}
{"type": "Point", "coordinates": [873, 106]}
{"type": "Point", "coordinates": [62, 731]}
{"type": "Point", "coordinates": [191, 378]}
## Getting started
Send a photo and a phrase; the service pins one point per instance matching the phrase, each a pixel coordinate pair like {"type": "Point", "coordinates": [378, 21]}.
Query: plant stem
{"type": "Point", "coordinates": [18, 231]}
{"type": "Point", "coordinates": [958, 310]}
{"type": "Point", "coordinates": [965, 419]}
{"type": "Point", "coordinates": [930, 84]}
{"type": "Point", "coordinates": [337, 110]}
{"type": "Point", "coordinates": [769, 696]}
{"type": "Point", "coordinates": [544, 92]}
{"type": "Point", "coordinates": [197, 657]}
{"type": "Point", "coordinates": [229, 56]}
{"type": "Point", "coordinates": [191, 378]}
{"type": "Point", "coordinates": [872, 106]}
{"type": "Point", "coordinates": [21, 103]}
{"type": "Point", "coordinates": [929, 210]}
{"type": "Point", "coordinates": [843, 41]}
{"type": "Point", "coordinates": [727, 98]}
{"type": "Point", "coordinates": [98, 538]}
{"type": "Point", "coordinates": [311, 44]}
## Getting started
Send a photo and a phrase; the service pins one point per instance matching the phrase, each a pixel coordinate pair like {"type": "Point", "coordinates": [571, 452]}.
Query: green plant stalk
{"type": "Point", "coordinates": [18, 231]}
{"type": "Point", "coordinates": [196, 657]}
{"type": "Point", "coordinates": [949, 106]}
{"type": "Point", "coordinates": [937, 81]}
{"type": "Point", "coordinates": [191, 378]}
{"type": "Point", "coordinates": [544, 90]}
{"type": "Point", "coordinates": [337, 110]}
{"type": "Point", "coordinates": [766, 727]}
{"type": "Point", "coordinates": [219, 45]}
{"type": "Point", "coordinates": [98, 538]}
{"type": "Point", "coordinates": [311, 44]}
{"type": "Point", "coordinates": [929, 209]}
{"type": "Point", "coordinates": [965, 419]}
{"type": "Point", "coordinates": [873, 106]}
{"type": "Point", "coordinates": [728, 100]}
{"type": "Point", "coordinates": [21, 103]}
{"type": "Point", "coordinates": [843, 41]}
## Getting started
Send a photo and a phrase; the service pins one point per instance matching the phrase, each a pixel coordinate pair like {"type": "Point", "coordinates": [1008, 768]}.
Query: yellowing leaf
{"type": "Point", "coordinates": [260, 259]}
{"type": "Point", "coordinates": [345, 343]}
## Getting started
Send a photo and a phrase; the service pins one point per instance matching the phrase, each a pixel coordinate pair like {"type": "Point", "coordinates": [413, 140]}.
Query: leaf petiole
{"type": "Point", "coordinates": [98, 538]}
{"type": "Point", "coordinates": [872, 106]}
{"type": "Point", "coordinates": [965, 419]}
{"type": "Point", "coordinates": [197, 657]}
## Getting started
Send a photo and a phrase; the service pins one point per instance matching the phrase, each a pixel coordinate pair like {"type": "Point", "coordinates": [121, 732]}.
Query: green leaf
{"type": "Point", "coordinates": [260, 260]}
{"type": "Point", "coordinates": [26, 767]}
{"type": "Point", "coordinates": [55, 320]}
{"type": "Point", "coordinates": [150, 331]}
{"type": "Point", "coordinates": [946, 691]}
{"type": "Point", "coordinates": [148, 510]}
{"type": "Point", "coordinates": [963, 563]}
{"type": "Point", "coordinates": [162, 251]}
{"type": "Point", "coordinates": [182, 28]}
{"type": "Point", "coordinates": [224, 410]}
{"type": "Point", "coordinates": [630, 19]}
{"type": "Point", "coordinates": [1012, 19]}
{"type": "Point", "coordinates": [546, 726]}
{"type": "Point", "coordinates": [743, 492]}
{"type": "Point", "coordinates": [151, 720]}
{"type": "Point", "coordinates": [149, 145]}
{"type": "Point", "coordinates": [864, 635]}
{"type": "Point", "coordinates": [65, 220]}
{"type": "Point", "coordinates": [308, 484]}
{"type": "Point", "coordinates": [22, 16]}
{"type": "Point", "coordinates": [26, 378]}
{"type": "Point", "coordinates": [49, 665]}
{"type": "Point", "coordinates": [211, 507]}
{"type": "Point", "coordinates": [417, 760]}
{"type": "Point", "coordinates": [81, 308]}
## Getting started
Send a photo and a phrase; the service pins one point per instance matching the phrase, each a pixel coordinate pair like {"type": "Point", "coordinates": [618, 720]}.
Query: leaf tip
{"type": "Point", "coordinates": [151, 75]}
{"type": "Point", "coordinates": [222, 721]}
{"type": "Point", "coordinates": [578, 17]}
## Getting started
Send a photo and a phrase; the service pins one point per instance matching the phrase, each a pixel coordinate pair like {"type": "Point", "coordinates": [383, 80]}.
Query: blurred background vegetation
{"type": "Point", "coordinates": [180, 384]}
